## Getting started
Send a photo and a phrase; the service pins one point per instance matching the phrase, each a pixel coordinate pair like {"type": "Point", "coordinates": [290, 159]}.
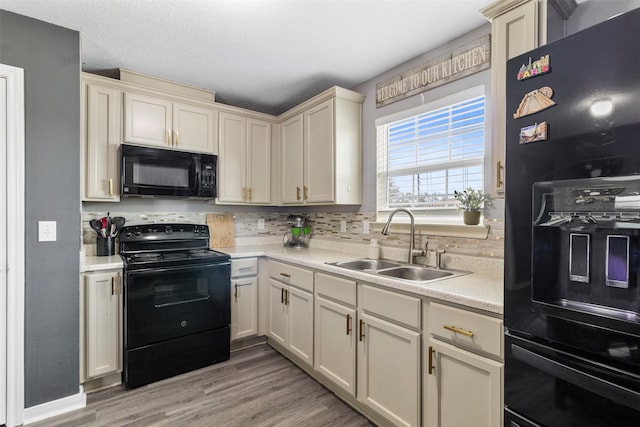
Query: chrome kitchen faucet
{"type": "Point", "coordinates": [412, 251]}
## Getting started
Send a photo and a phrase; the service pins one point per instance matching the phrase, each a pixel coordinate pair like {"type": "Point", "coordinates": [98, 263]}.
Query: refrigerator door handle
{"type": "Point", "coordinates": [578, 378]}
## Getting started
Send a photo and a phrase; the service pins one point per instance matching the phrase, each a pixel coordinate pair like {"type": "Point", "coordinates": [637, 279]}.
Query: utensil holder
{"type": "Point", "coordinates": [106, 246]}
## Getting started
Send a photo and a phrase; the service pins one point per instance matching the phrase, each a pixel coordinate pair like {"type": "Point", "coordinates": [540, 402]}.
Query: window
{"type": "Point", "coordinates": [425, 157]}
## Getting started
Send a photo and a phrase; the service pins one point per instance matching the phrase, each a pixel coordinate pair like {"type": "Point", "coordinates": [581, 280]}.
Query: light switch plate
{"type": "Point", "coordinates": [47, 231]}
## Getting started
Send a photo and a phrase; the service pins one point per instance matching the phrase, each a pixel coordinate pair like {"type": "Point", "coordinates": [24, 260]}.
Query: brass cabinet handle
{"type": "Point", "coordinates": [244, 193]}
{"type": "Point", "coordinates": [286, 297]}
{"type": "Point", "coordinates": [288, 276]}
{"type": "Point", "coordinates": [348, 324]}
{"type": "Point", "coordinates": [361, 329]}
{"type": "Point", "coordinates": [281, 295]}
{"type": "Point", "coordinates": [499, 169]}
{"type": "Point", "coordinates": [306, 192]}
{"type": "Point", "coordinates": [110, 187]}
{"type": "Point", "coordinates": [169, 137]}
{"type": "Point", "coordinates": [113, 286]}
{"type": "Point", "coordinates": [458, 330]}
{"type": "Point", "coordinates": [250, 188]}
{"type": "Point", "coordinates": [235, 291]}
{"type": "Point", "coordinates": [177, 137]}
{"type": "Point", "coordinates": [431, 367]}
{"type": "Point", "coordinates": [297, 193]}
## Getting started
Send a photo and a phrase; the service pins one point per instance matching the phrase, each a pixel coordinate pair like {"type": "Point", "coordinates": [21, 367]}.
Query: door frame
{"type": "Point", "coordinates": [15, 243]}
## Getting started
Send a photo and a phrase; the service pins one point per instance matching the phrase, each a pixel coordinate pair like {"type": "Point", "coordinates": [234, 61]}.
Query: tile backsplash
{"type": "Point", "coordinates": [327, 229]}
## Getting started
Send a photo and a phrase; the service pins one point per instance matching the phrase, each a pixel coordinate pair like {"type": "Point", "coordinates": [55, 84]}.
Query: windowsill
{"type": "Point", "coordinates": [480, 231]}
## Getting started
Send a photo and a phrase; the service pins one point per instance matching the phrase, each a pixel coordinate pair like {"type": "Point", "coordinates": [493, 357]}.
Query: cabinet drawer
{"type": "Point", "coordinates": [336, 288]}
{"type": "Point", "coordinates": [244, 267]}
{"type": "Point", "coordinates": [291, 275]}
{"type": "Point", "coordinates": [470, 329]}
{"type": "Point", "coordinates": [400, 308]}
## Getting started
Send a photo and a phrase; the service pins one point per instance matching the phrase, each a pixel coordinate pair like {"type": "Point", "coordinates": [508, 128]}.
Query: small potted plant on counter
{"type": "Point", "coordinates": [471, 201]}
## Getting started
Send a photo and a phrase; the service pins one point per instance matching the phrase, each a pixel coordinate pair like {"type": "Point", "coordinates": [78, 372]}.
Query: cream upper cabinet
{"type": "Point", "coordinates": [291, 151]}
{"type": "Point", "coordinates": [101, 136]}
{"type": "Point", "coordinates": [321, 150]}
{"type": "Point", "coordinates": [463, 368]}
{"type": "Point", "coordinates": [244, 162]}
{"type": "Point", "coordinates": [514, 30]}
{"type": "Point", "coordinates": [151, 120]}
{"type": "Point", "coordinates": [102, 324]}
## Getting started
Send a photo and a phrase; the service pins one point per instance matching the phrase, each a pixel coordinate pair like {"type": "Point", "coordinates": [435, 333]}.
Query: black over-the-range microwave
{"type": "Point", "coordinates": [148, 171]}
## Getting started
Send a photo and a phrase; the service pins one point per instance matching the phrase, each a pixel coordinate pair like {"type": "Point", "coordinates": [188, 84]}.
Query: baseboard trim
{"type": "Point", "coordinates": [55, 407]}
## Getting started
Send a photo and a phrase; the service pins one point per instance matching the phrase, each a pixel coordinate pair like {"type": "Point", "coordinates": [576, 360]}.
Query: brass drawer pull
{"type": "Point", "coordinates": [361, 329]}
{"type": "Point", "coordinates": [286, 297]}
{"type": "Point", "coordinates": [348, 324]}
{"type": "Point", "coordinates": [297, 193]}
{"type": "Point", "coordinates": [458, 330]}
{"type": "Point", "coordinates": [281, 295]}
{"type": "Point", "coordinates": [306, 193]}
{"type": "Point", "coordinates": [110, 187]}
{"type": "Point", "coordinates": [288, 276]}
{"type": "Point", "coordinates": [235, 291]}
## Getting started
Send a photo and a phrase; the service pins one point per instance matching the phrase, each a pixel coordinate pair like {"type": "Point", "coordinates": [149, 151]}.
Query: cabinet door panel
{"type": "Point", "coordinates": [103, 135]}
{"type": "Point", "coordinates": [259, 161]}
{"type": "Point", "coordinates": [389, 370]}
{"type": "Point", "coordinates": [464, 389]}
{"type": "Point", "coordinates": [291, 152]}
{"type": "Point", "coordinates": [277, 329]}
{"type": "Point", "coordinates": [232, 161]}
{"type": "Point", "coordinates": [147, 120]}
{"type": "Point", "coordinates": [335, 343]}
{"type": "Point", "coordinates": [194, 128]}
{"type": "Point", "coordinates": [102, 323]}
{"type": "Point", "coordinates": [319, 168]}
{"type": "Point", "coordinates": [300, 310]}
{"type": "Point", "coordinates": [244, 307]}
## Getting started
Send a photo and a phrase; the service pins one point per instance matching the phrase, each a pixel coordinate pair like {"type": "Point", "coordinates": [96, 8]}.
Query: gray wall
{"type": "Point", "coordinates": [50, 56]}
{"type": "Point", "coordinates": [371, 113]}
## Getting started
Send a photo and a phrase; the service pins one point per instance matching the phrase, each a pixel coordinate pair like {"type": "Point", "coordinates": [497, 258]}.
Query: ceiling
{"type": "Point", "coordinates": [265, 55]}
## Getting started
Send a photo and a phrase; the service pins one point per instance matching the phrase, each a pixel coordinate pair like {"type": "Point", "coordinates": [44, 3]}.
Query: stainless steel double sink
{"type": "Point", "coordinates": [410, 272]}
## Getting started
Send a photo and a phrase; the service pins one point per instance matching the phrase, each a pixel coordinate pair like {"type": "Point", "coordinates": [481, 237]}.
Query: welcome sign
{"type": "Point", "coordinates": [461, 62]}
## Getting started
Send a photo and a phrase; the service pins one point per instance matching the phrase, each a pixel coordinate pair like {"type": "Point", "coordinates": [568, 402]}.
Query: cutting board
{"type": "Point", "coordinates": [220, 230]}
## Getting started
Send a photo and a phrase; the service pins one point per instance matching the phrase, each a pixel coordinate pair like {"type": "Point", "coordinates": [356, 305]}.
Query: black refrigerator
{"type": "Point", "coordinates": [572, 230]}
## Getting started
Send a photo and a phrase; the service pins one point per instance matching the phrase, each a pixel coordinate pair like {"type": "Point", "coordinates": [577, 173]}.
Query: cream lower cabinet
{"type": "Point", "coordinates": [464, 366]}
{"type": "Point", "coordinates": [101, 135]}
{"type": "Point", "coordinates": [102, 323]}
{"type": "Point", "coordinates": [464, 388]}
{"type": "Point", "coordinates": [335, 331]}
{"type": "Point", "coordinates": [244, 298]}
{"type": "Point", "coordinates": [389, 374]}
{"type": "Point", "coordinates": [244, 164]}
{"type": "Point", "coordinates": [290, 318]}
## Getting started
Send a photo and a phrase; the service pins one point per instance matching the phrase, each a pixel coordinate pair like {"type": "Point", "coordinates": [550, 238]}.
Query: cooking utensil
{"type": "Point", "coordinates": [117, 223]}
{"type": "Point", "coordinates": [96, 225]}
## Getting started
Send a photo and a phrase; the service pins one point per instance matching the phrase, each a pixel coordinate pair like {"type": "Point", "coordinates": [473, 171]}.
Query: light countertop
{"type": "Point", "coordinates": [473, 290]}
{"type": "Point", "coordinates": [478, 291]}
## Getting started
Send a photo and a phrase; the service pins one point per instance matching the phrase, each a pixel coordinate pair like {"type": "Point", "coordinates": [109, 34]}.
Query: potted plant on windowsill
{"type": "Point", "coordinates": [471, 201]}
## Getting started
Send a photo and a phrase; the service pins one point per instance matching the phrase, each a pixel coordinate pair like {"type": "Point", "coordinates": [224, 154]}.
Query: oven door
{"type": "Point", "coordinates": [549, 387]}
{"type": "Point", "coordinates": [166, 303]}
{"type": "Point", "coordinates": [147, 171]}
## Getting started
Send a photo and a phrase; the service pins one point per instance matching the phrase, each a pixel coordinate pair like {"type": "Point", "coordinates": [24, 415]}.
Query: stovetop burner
{"type": "Point", "coordinates": [147, 246]}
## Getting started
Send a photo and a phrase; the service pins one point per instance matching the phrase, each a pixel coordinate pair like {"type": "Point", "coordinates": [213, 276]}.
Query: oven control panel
{"type": "Point", "coordinates": [148, 232]}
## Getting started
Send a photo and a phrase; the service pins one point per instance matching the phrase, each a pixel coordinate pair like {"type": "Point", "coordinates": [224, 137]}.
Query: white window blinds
{"type": "Point", "coordinates": [424, 158]}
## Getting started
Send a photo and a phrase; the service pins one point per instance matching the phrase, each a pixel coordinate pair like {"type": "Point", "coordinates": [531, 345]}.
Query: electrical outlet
{"type": "Point", "coordinates": [260, 223]}
{"type": "Point", "coordinates": [46, 231]}
{"type": "Point", "coordinates": [365, 227]}
{"type": "Point", "coordinates": [343, 226]}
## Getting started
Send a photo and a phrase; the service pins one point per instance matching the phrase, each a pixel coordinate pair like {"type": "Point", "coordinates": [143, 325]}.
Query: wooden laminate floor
{"type": "Point", "coordinates": [256, 387]}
